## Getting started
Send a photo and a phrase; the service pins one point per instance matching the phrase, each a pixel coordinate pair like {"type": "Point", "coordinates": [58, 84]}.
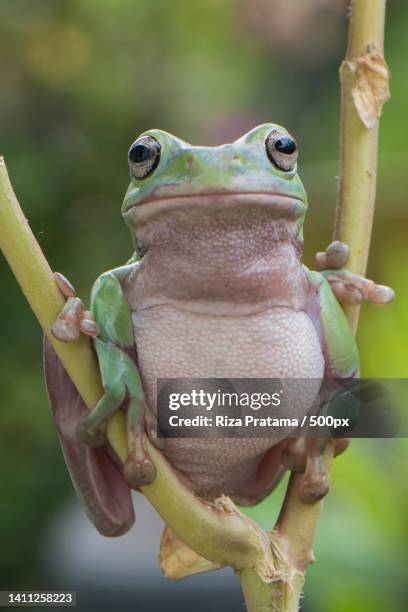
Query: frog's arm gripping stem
{"type": "Point", "coordinates": [116, 350]}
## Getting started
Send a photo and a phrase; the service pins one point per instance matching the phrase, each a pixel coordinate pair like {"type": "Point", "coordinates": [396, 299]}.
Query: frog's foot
{"type": "Point", "coordinates": [139, 469]}
{"type": "Point", "coordinates": [349, 288]}
{"type": "Point", "coordinates": [306, 455]}
{"type": "Point", "coordinates": [73, 318]}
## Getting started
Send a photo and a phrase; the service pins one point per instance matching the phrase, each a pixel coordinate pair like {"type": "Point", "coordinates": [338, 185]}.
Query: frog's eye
{"type": "Point", "coordinates": [144, 156]}
{"type": "Point", "coordinates": [282, 150]}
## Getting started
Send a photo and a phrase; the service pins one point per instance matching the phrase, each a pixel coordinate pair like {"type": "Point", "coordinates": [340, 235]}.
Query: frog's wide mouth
{"type": "Point", "coordinates": [152, 207]}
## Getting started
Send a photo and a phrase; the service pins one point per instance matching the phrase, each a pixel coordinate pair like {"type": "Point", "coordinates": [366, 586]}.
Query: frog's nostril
{"type": "Point", "coordinates": [189, 160]}
{"type": "Point", "coordinates": [235, 163]}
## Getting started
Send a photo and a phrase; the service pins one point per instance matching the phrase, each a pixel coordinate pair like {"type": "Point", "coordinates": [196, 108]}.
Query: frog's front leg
{"type": "Point", "coordinates": [349, 288]}
{"type": "Point", "coordinates": [123, 388]}
{"type": "Point", "coordinates": [115, 347]}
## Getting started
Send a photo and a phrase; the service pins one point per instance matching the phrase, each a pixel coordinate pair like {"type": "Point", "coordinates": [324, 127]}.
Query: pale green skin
{"type": "Point", "coordinates": [198, 170]}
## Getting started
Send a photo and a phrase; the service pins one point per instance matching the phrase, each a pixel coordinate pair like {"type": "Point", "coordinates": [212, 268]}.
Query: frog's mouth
{"type": "Point", "coordinates": [280, 204]}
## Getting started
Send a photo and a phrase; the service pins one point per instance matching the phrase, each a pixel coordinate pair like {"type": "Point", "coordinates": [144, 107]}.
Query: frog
{"type": "Point", "coordinates": [216, 288]}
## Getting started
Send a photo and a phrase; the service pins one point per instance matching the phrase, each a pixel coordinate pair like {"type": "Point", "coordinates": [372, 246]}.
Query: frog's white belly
{"type": "Point", "coordinates": [174, 343]}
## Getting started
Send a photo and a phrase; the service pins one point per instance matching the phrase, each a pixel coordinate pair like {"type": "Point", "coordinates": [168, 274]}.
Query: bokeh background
{"type": "Point", "coordinates": [80, 79]}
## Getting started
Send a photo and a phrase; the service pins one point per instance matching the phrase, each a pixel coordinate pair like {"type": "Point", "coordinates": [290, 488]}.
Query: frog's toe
{"type": "Point", "coordinates": [381, 294]}
{"type": "Point", "coordinates": [88, 325]}
{"type": "Point", "coordinates": [64, 285]}
{"type": "Point", "coordinates": [346, 293]}
{"type": "Point", "coordinates": [91, 437]}
{"type": "Point", "coordinates": [67, 326]}
{"type": "Point", "coordinates": [65, 331]}
{"type": "Point", "coordinates": [335, 256]}
{"type": "Point", "coordinates": [139, 472]}
{"type": "Point", "coordinates": [314, 489]}
{"type": "Point", "coordinates": [315, 481]}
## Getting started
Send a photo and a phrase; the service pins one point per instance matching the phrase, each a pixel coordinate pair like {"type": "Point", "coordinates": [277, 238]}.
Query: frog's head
{"type": "Point", "coordinates": [173, 182]}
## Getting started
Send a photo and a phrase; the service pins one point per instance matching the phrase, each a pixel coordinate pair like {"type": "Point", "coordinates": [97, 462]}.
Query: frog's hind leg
{"type": "Point", "coordinates": [267, 477]}
{"type": "Point", "coordinates": [96, 477]}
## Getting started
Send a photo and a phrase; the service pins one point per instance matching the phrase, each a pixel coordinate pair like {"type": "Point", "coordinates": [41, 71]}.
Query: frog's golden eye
{"type": "Point", "coordinates": [144, 156]}
{"type": "Point", "coordinates": [282, 150]}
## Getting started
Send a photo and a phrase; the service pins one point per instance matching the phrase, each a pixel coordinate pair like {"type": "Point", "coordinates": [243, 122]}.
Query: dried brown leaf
{"type": "Point", "coordinates": [370, 89]}
{"type": "Point", "coordinates": [178, 561]}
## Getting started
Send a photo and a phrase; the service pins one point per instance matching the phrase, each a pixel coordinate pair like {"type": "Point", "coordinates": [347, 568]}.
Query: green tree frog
{"type": "Point", "coordinates": [216, 288]}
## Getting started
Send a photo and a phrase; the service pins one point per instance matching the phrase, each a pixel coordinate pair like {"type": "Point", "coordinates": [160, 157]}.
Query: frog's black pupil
{"type": "Point", "coordinates": [285, 145]}
{"type": "Point", "coordinates": [139, 153]}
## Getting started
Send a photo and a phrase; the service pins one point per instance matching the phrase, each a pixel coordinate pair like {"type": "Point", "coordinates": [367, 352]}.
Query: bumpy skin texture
{"type": "Point", "coordinates": [221, 292]}
{"type": "Point", "coordinates": [218, 289]}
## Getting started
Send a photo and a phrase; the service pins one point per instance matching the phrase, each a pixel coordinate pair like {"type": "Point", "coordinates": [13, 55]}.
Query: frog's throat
{"type": "Point", "coordinates": [157, 209]}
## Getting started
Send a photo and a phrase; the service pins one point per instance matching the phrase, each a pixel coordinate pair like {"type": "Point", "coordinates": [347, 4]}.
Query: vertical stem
{"type": "Point", "coordinates": [263, 597]}
{"type": "Point", "coordinates": [364, 88]}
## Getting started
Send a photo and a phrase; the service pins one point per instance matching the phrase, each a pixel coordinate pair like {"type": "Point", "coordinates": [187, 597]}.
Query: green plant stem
{"type": "Point", "coordinates": [297, 523]}
{"type": "Point", "coordinates": [294, 534]}
{"type": "Point", "coordinates": [358, 143]}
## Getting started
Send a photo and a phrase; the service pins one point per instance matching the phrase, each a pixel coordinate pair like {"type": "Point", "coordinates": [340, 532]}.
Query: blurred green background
{"type": "Point", "coordinates": [80, 79]}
